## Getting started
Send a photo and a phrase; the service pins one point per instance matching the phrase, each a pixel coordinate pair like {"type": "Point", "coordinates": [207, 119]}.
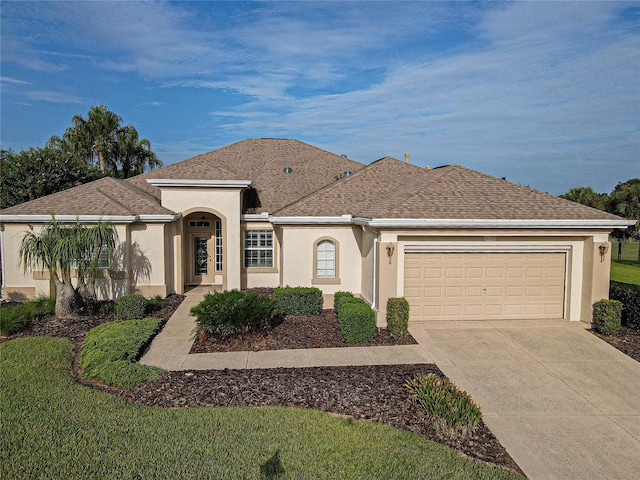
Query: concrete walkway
{"type": "Point", "coordinates": [170, 350]}
{"type": "Point", "coordinates": [565, 404]}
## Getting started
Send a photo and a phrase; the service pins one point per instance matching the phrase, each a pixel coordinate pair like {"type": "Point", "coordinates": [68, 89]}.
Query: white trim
{"type": "Point", "coordinates": [159, 218]}
{"type": "Point", "coordinates": [255, 217]}
{"type": "Point", "coordinates": [172, 182]}
{"type": "Point", "coordinates": [153, 218]}
{"type": "Point", "coordinates": [343, 220]}
{"type": "Point", "coordinates": [493, 248]}
{"type": "Point", "coordinates": [4, 270]}
{"type": "Point", "coordinates": [68, 218]}
{"type": "Point", "coordinates": [490, 223]}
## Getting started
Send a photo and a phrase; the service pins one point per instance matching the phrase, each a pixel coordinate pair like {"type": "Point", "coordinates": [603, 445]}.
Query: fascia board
{"type": "Point", "coordinates": [68, 218]}
{"type": "Point", "coordinates": [172, 182]}
{"type": "Point", "coordinates": [493, 223]}
{"type": "Point", "coordinates": [343, 220]}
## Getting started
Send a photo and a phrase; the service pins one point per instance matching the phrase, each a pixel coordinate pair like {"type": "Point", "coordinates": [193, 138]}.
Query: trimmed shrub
{"type": "Point", "coordinates": [337, 296]}
{"type": "Point", "coordinates": [111, 349]}
{"type": "Point", "coordinates": [607, 315]}
{"type": "Point", "coordinates": [452, 410]}
{"type": "Point", "coordinates": [398, 317]}
{"type": "Point", "coordinates": [154, 304]}
{"type": "Point", "coordinates": [357, 322]}
{"type": "Point", "coordinates": [629, 295]}
{"type": "Point", "coordinates": [130, 307]}
{"type": "Point", "coordinates": [298, 300]}
{"type": "Point", "coordinates": [105, 307]}
{"type": "Point", "coordinates": [232, 311]}
{"type": "Point", "coordinates": [347, 300]}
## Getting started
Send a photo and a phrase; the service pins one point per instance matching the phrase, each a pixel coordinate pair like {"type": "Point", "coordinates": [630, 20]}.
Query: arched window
{"type": "Point", "coordinates": [325, 259]}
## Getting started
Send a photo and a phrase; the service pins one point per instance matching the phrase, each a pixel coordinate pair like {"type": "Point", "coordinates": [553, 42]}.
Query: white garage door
{"type": "Point", "coordinates": [485, 286]}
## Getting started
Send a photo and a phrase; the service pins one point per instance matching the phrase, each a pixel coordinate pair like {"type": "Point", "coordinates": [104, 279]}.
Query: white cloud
{"type": "Point", "coordinates": [53, 97]}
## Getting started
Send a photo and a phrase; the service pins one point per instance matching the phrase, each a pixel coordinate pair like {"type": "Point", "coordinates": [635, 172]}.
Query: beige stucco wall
{"type": "Point", "coordinates": [222, 202]}
{"type": "Point", "coordinates": [146, 259]}
{"type": "Point", "coordinates": [367, 246]}
{"type": "Point", "coordinates": [112, 283]}
{"type": "Point", "coordinates": [297, 256]}
{"type": "Point", "coordinates": [587, 276]}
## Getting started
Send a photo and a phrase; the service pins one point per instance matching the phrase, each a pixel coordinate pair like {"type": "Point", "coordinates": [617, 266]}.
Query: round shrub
{"type": "Point", "coordinates": [339, 295]}
{"type": "Point", "coordinates": [131, 307]}
{"type": "Point", "coordinates": [357, 322]}
{"type": "Point", "coordinates": [607, 314]}
{"type": "Point", "coordinates": [232, 311]}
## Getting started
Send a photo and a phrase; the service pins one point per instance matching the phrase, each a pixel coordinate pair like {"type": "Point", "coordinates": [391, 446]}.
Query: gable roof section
{"type": "Point", "coordinates": [105, 197]}
{"type": "Point", "coordinates": [390, 188]}
{"type": "Point", "coordinates": [262, 161]}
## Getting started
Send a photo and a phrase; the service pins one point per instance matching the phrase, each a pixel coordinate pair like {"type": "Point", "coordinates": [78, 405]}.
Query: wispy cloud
{"type": "Point", "coordinates": [14, 81]}
{"type": "Point", "coordinates": [53, 97]}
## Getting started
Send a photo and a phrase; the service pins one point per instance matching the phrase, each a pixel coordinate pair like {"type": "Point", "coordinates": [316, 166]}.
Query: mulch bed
{"type": "Point", "coordinates": [283, 333]}
{"type": "Point", "coordinates": [368, 393]}
{"type": "Point", "coordinates": [627, 340]}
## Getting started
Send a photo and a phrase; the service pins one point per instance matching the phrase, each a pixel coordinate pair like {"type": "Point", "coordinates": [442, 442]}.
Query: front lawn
{"type": "Point", "coordinates": [627, 269]}
{"type": "Point", "coordinates": [51, 427]}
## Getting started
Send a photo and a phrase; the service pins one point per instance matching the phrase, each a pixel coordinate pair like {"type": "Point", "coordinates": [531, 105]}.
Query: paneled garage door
{"type": "Point", "coordinates": [485, 286]}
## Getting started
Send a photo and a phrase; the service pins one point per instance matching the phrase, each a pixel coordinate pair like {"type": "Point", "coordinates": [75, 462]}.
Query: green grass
{"type": "Point", "coordinates": [51, 427]}
{"type": "Point", "coordinates": [627, 269]}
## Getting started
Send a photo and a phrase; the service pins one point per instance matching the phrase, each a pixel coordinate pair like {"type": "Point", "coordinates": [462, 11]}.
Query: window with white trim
{"type": "Point", "coordinates": [258, 248]}
{"type": "Point", "coordinates": [218, 232]}
{"type": "Point", "coordinates": [325, 259]}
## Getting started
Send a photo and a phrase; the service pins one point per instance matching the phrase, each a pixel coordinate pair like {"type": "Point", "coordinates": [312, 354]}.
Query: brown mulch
{"type": "Point", "coordinates": [284, 333]}
{"type": "Point", "coordinates": [627, 340]}
{"type": "Point", "coordinates": [370, 393]}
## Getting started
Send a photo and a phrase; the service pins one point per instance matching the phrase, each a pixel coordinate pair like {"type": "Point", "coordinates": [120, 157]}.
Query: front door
{"type": "Point", "coordinates": [201, 249]}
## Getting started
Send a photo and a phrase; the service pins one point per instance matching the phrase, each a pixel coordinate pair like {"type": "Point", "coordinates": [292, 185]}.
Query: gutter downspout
{"type": "Point", "coordinates": [4, 271]}
{"type": "Point", "coordinates": [374, 282]}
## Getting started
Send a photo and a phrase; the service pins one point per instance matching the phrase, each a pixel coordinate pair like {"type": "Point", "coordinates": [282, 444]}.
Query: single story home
{"type": "Point", "coordinates": [458, 244]}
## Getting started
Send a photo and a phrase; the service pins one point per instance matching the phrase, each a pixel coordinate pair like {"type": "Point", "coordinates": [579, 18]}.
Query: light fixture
{"type": "Point", "coordinates": [604, 248]}
{"type": "Point", "coordinates": [390, 248]}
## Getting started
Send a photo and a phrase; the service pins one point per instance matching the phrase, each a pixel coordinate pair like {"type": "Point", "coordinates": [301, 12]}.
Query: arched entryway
{"type": "Point", "coordinates": [204, 249]}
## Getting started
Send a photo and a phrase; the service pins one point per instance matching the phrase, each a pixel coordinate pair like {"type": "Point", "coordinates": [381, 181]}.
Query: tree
{"type": "Point", "coordinates": [37, 172]}
{"type": "Point", "coordinates": [132, 154]}
{"type": "Point", "coordinates": [94, 135]}
{"type": "Point", "coordinates": [587, 196]}
{"type": "Point", "coordinates": [118, 149]}
{"type": "Point", "coordinates": [59, 248]}
{"type": "Point", "coordinates": [625, 201]}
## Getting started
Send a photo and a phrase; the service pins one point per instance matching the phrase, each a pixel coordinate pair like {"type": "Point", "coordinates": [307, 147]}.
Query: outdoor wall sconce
{"type": "Point", "coordinates": [603, 251]}
{"type": "Point", "coordinates": [390, 249]}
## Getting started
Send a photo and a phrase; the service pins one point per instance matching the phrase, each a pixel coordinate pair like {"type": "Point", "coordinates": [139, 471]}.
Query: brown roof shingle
{"type": "Point", "coordinates": [107, 196]}
{"type": "Point", "coordinates": [262, 161]}
{"type": "Point", "coordinates": [390, 188]}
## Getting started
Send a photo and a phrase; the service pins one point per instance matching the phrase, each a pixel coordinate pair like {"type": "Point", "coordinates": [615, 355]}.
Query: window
{"type": "Point", "coordinates": [218, 246]}
{"type": "Point", "coordinates": [104, 259]}
{"type": "Point", "coordinates": [258, 249]}
{"type": "Point", "coordinates": [325, 259]}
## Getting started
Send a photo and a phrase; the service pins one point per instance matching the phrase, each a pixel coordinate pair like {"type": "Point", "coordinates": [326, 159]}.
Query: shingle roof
{"type": "Point", "coordinates": [107, 196]}
{"type": "Point", "coordinates": [387, 188]}
{"type": "Point", "coordinates": [262, 161]}
{"type": "Point", "coordinates": [390, 188]}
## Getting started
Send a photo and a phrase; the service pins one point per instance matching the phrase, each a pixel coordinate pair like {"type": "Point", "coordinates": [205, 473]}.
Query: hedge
{"type": "Point", "coordinates": [111, 350]}
{"type": "Point", "coordinates": [357, 322]}
{"type": "Point", "coordinates": [629, 295]}
{"type": "Point", "coordinates": [398, 317]}
{"type": "Point", "coordinates": [338, 296]}
{"type": "Point", "coordinates": [131, 307]}
{"type": "Point", "coordinates": [298, 300]}
{"type": "Point", "coordinates": [232, 311]}
{"type": "Point", "coordinates": [607, 314]}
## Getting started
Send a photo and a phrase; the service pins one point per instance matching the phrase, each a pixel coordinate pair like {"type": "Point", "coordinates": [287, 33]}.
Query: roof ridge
{"type": "Point", "coordinates": [408, 193]}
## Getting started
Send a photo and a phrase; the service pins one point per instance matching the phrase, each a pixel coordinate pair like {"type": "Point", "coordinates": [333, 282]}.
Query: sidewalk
{"type": "Point", "coordinates": [170, 350]}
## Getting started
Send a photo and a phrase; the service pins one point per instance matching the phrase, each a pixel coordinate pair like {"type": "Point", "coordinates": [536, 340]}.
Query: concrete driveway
{"type": "Point", "coordinates": [564, 404]}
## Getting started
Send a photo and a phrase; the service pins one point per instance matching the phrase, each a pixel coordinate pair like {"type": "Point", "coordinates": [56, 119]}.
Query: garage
{"type": "Point", "coordinates": [485, 285]}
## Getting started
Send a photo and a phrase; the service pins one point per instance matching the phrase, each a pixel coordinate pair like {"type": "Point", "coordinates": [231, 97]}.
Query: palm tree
{"type": "Point", "coordinates": [97, 134]}
{"type": "Point", "coordinates": [57, 249]}
{"type": "Point", "coordinates": [587, 196]}
{"type": "Point", "coordinates": [625, 201]}
{"type": "Point", "coordinates": [133, 154]}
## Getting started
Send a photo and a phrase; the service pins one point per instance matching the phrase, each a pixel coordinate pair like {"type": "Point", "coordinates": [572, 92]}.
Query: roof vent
{"type": "Point", "coordinates": [287, 169]}
{"type": "Point", "coordinates": [347, 173]}
{"type": "Point", "coordinates": [428, 167]}
{"type": "Point", "coordinates": [406, 157]}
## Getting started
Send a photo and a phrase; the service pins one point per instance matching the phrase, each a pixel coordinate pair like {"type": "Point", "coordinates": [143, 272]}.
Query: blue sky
{"type": "Point", "coordinates": [546, 94]}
